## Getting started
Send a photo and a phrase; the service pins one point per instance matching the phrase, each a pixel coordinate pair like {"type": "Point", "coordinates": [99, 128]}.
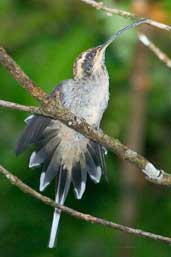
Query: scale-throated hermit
{"type": "Point", "coordinates": [64, 154]}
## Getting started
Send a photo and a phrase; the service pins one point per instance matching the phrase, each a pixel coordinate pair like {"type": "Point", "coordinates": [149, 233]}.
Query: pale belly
{"type": "Point", "coordinates": [89, 102]}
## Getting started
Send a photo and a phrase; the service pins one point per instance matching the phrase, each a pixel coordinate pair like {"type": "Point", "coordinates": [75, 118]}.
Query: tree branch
{"type": "Point", "coordinates": [111, 11]}
{"type": "Point", "coordinates": [89, 218]}
{"type": "Point", "coordinates": [53, 109]}
{"type": "Point", "coordinates": [20, 107]}
{"type": "Point", "coordinates": [154, 175]}
{"type": "Point", "coordinates": [160, 54]}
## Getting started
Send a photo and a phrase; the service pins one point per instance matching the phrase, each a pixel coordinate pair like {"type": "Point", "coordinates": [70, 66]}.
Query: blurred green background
{"type": "Point", "coordinates": [45, 37]}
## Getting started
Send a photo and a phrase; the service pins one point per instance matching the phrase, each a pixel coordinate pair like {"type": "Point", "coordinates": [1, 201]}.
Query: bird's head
{"type": "Point", "coordinates": [91, 61]}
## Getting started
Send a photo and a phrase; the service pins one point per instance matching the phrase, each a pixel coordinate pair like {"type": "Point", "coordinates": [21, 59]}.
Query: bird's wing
{"type": "Point", "coordinates": [36, 124]}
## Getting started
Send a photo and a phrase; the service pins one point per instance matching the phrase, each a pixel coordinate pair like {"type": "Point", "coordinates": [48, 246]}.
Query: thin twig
{"type": "Point", "coordinates": [89, 218]}
{"type": "Point", "coordinates": [111, 11]}
{"type": "Point", "coordinates": [20, 107]}
{"type": "Point", "coordinates": [154, 175]}
{"type": "Point", "coordinates": [161, 55]}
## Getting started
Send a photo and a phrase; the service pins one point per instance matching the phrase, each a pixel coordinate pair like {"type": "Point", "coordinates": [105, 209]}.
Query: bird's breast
{"type": "Point", "coordinates": [88, 100]}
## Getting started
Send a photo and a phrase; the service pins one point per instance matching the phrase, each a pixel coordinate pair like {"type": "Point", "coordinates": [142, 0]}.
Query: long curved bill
{"type": "Point", "coordinates": [119, 32]}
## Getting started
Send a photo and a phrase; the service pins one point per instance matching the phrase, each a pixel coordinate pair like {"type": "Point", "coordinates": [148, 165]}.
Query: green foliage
{"type": "Point", "coordinates": [45, 37]}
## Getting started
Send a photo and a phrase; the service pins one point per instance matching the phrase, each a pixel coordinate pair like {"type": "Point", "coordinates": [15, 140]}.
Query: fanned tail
{"type": "Point", "coordinates": [65, 155]}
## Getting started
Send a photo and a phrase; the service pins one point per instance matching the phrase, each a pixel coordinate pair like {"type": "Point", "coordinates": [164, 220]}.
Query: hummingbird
{"type": "Point", "coordinates": [63, 154]}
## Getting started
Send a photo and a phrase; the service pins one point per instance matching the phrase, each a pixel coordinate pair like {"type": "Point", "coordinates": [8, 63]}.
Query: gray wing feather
{"type": "Point", "coordinates": [32, 133]}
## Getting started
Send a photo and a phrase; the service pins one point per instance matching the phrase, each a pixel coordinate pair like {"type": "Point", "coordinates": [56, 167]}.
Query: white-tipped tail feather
{"type": "Point", "coordinates": [63, 185]}
{"type": "Point", "coordinates": [54, 228]}
{"type": "Point", "coordinates": [80, 193]}
{"type": "Point", "coordinates": [42, 184]}
{"type": "Point", "coordinates": [32, 162]}
{"type": "Point", "coordinates": [97, 178]}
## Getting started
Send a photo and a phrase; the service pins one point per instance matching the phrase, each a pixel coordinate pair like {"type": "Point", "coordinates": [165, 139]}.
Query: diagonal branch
{"type": "Point", "coordinates": [89, 218]}
{"type": "Point", "coordinates": [160, 54]}
{"type": "Point", "coordinates": [52, 108]}
{"type": "Point", "coordinates": [111, 11]}
{"type": "Point", "coordinates": [153, 174]}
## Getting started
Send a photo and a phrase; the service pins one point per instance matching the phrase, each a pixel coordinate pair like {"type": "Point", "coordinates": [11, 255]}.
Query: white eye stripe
{"type": "Point", "coordinates": [78, 66]}
{"type": "Point", "coordinates": [78, 69]}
